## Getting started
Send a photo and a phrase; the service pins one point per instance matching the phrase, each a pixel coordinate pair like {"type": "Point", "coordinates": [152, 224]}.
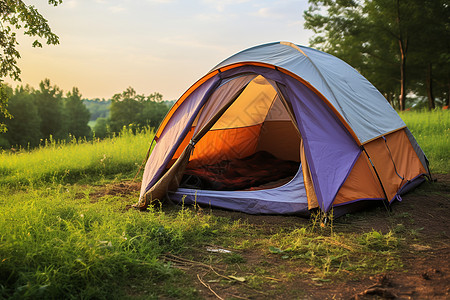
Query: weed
{"type": "Point", "coordinates": [233, 258]}
{"type": "Point", "coordinates": [329, 255]}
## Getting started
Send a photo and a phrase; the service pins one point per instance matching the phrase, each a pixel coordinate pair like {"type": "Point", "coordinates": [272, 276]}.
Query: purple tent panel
{"type": "Point", "coordinates": [331, 151]}
{"type": "Point", "coordinates": [174, 133]}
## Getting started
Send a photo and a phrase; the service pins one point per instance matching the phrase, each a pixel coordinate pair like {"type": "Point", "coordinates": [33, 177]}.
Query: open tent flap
{"type": "Point", "coordinates": [254, 144]}
{"type": "Point", "coordinates": [176, 128]}
{"type": "Point", "coordinates": [171, 178]}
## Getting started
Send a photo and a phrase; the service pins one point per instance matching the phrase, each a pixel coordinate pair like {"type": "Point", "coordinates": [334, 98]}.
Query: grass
{"type": "Point", "coordinates": [330, 255]}
{"type": "Point", "coordinates": [432, 131]}
{"type": "Point", "coordinates": [53, 245]}
{"type": "Point", "coordinates": [76, 161]}
{"type": "Point", "coordinates": [62, 236]}
{"type": "Point", "coordinates": [60, 241]}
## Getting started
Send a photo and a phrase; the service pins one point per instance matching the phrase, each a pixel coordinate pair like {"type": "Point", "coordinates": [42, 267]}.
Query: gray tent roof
{"type": "Point", "coordinates": [360, 104]}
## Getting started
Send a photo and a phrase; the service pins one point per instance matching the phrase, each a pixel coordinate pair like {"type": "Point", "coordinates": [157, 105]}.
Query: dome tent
{"type": "Point", "coordinates": [278, 107]}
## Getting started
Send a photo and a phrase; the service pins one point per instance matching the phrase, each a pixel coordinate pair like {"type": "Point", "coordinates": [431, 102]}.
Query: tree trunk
{"type": "Point", "coordinates": [402, 98]}
{"type": "Point", "coordinates": [448, 95]}
{"type": "Point", "coordinates": [386, 95]}
{"type": "Point", "coordinates": [403, 45]}
{"type": "Point", "coordinates": [429, 84]}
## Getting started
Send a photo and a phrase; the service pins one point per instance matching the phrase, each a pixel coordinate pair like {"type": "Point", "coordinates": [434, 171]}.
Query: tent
{"type": "Point", "coordinates": [282, 129]}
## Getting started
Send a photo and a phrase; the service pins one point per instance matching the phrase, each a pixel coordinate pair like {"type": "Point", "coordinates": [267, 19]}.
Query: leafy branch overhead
{"type": "Point", "coordinates": [16, 15]}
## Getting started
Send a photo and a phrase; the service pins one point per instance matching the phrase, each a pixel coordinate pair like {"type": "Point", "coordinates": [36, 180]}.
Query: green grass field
{"type": "Point", "coordinates": [63, 236]}
{"type": "Point", "coordinates": [432, 131]}
{"type": "Point", "coordinates": [76, 161]}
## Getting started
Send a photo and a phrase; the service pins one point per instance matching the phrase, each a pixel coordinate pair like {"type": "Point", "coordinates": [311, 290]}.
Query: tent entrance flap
{"type": "Point", "coordinates": [254, 144]}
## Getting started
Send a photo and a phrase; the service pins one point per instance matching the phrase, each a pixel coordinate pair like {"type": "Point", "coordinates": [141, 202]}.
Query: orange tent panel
{"type": "Point", "coordinates": [395, 155]}
{"type": "Point", "coordinates": [360, 184]}
{"type": "Point", "coordinates": [226, 144]}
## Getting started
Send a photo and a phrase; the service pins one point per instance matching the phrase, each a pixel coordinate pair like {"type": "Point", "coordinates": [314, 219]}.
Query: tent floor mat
{"type": "Point", "coordinates": [260, 170]}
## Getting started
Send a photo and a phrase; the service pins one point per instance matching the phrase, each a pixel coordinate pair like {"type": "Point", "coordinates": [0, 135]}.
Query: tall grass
{"type": "Point", "coordinates": [432, 131]}
{"type": "Point", "coordinates": [75, 161]}
{"type": "Point", "coordinates": [55, 246]}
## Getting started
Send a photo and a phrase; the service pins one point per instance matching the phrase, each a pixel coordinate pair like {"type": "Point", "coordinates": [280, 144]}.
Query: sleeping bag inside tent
{"type": "Point", "coordinates": [282, 129]}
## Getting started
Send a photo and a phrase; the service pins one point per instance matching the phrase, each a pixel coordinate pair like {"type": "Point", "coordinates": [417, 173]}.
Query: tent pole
{"type": "Point", "coordinates": [386, 200]}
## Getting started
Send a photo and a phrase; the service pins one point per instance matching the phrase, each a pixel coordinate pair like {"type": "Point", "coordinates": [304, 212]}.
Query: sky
{"type": "Point", "coordinates": [151, 45]}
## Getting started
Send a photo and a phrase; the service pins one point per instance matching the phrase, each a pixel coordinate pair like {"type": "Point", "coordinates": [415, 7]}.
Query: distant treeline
{"type": "Point", "coordinates": [99, 108]}
{"type": "Point", "coordinates": [129, 109]}
{"type": "Point", "coordinates": [46, 113]}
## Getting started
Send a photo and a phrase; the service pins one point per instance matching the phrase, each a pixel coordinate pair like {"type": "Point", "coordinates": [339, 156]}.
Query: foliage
{"type": "Point", "coordinates": [392, 43]}
{"type": "Point", "coordinates": [39, 114]}
{"type": "Point", "coordinates": [46, 114]}
{"type": "Point", "coordinates": [24, 128]}
{"type": "Point", "coordinates": [101, 128]}
{"type": "Point", "coordinates": [16, 15]}
{"type": "Point", "coordinates": [77, 115]}
{"type": "Point", "coordinates": [3, 106]}
{"type": "Point", "coordinates": [138, 111]}
{"type": "Point", "coordinates": [50, 110]}
{"type": "Point", "coordinates": [98, 108]}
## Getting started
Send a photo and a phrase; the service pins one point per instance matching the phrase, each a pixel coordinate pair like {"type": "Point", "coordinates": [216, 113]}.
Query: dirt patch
{"type": "Point", "coordinates": [421, 220]}
{"type": "Point", "coordinates": [121, 189]}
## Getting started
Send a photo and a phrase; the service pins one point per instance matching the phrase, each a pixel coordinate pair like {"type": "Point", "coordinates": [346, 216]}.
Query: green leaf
{"type": "Point", "coordinates": [320, 279]}
{"type": "Point", "coordinates": [240, 279]}
{"type": "Point", "coordinates": [275, 250]}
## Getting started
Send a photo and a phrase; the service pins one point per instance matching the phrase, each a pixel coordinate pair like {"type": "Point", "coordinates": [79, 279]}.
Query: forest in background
{"type": "Point", "coordinates": [401, 47]}
{"type": "Point", "coordinates": [47, 113]}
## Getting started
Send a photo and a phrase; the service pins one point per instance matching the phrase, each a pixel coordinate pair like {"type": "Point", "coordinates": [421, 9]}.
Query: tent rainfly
{"type": "Point", "coordinates": [282, 129]}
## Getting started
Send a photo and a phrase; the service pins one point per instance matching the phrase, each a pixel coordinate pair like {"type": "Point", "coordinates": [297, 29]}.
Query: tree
{"type": "Point", "coordinates": [99, 108]}
{"type": "Point", "coordinates": [50, 109]}
{"type": "Point", "coordinates": [16, 15]}
{"type": "Point", "coordinates": [138, 111]}
{"type": "Point", "coordinates": [101, 128]}
{"type": "Point", "coordinates": [76, 115]}
{"type": "Point", "coordinates": [153, 111]}
{"type": "Point", "coordinates": [24, 127]}
{"type": "Point", "coordinates": [378, 37]}
{"type": "Point", "coordinates": [430, 50]}
{"type": "Point", "coordinates": [125, 108]}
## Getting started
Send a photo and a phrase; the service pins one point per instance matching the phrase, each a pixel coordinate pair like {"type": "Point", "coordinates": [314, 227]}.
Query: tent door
{"type": "Point", "coordinates": [253, 139]}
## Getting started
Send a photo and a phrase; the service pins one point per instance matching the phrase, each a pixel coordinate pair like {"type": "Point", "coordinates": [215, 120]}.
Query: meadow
{"type": "Point", "coordinates": [432, 131]}
{"type": "Point", "coordinates": [67, 230]}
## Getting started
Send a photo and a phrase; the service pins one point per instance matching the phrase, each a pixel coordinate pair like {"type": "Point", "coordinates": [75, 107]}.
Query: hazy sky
{"type": "Point", "coordinates": [152, 45]}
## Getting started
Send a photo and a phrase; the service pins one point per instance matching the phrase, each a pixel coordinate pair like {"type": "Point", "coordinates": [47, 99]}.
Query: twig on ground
{"type": "Point", "coordinates": [209, 287]}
